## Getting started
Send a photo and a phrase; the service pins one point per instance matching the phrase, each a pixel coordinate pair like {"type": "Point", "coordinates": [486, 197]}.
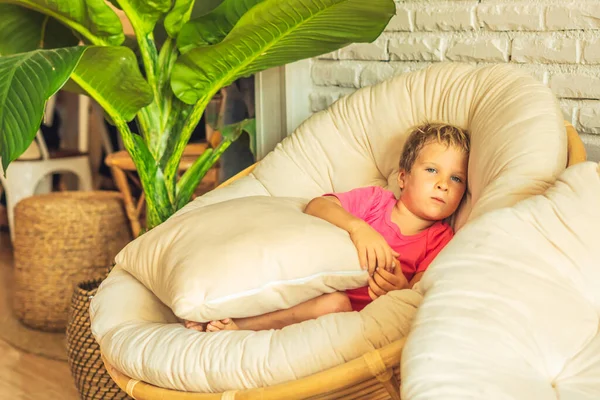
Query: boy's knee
{"type": "Point", "coordinates": [334, 303]}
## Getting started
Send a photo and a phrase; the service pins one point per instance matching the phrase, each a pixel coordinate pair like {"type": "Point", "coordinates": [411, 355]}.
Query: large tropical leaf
{"type": "Point", "coordinates": [93, 19]}
{"type": "Point", "coordinates": [213, 27]}
{"type": "Point", "coordinates": [27, 80]}
{"type": "Point", "coordinates": [143, 14]}
{"type": "Point", "coordinates": [112, 77]}
{"type": "Point", "coordinates": [276, 32]}
{"type": "Point", "coordinates": [183, 10]}
{"type": "Point", "coordinates": [23, 30]}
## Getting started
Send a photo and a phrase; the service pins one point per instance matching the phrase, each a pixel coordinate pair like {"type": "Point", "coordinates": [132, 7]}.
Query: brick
{"type": "Point", "coordinates": [323, 99]}
{"type": "Point", "coordinates": [567, 109]}
{"type": "Point", "coordinates": [481, 48]}
{"type": "Point", "coordinates": [453, 16]}
{"type": "Point", "coordinates": [411, 48]}
{"type": "Point", "coordinates": [591, 51]}
{"type": "Point", "coordinates": [366, 51]}
{"type": "Point", "coordinates": [592, 146]}
{"type": "Point", "coordinates": [510, 17]}
{"type": "Point", "coordinates": [375, 72]}
{"type": "Point", "coordinates": [589, 119]}
{"type": "Point", "coordinates": [537, 71]}
{"type": "Point", "coordinates": [577, 15]}
{"type": "Point", "coordinates": [334, 55]}
{"type": "Point", "coordinates": [404, 67]}
{"type": "Point", "coordinates": [336, 73]}
{"type": "Point", "coordinates": [574, 86]}
{"type": "Point", "coordinates": [401, 22]}
{"type": "Point", "coordinates": [546, 50]}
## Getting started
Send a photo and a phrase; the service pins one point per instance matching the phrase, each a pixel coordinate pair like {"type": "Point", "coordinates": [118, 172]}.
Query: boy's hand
{"type": "Point", "coordinates": [373, 250]}
{"type": "Point", "coordinates": [384, 281]}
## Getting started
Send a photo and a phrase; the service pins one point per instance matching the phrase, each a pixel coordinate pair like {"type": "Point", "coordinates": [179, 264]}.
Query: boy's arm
{"type": "Point", "coordinates": [330, 209]}
{"type": "Point", "coordinates": [372, 248]}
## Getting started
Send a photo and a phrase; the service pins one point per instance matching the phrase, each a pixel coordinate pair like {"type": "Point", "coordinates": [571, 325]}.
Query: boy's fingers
{"type": "Point", "coordinates": [362, 258]}
{"type": "Point", "coordinates": [375, 288]}
{"type": "Point", "coordinates": [383, 283]}
{"type": "Point", "coordinates": [387, 259]}
{"type": "Point", "coordinates": [372, 260]}
{"type": "Point", "coordinates": [372, 295]}
{"type": "Point", "coordinates": [380, 255]}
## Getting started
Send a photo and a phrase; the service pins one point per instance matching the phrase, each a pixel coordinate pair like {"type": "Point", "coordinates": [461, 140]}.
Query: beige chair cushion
{"type": "Point", "coordinates": [140, 336]}
{"type": "Point", "coordinates": [518, 150]}
{"type": "Point", "coordinates": [515, 315]}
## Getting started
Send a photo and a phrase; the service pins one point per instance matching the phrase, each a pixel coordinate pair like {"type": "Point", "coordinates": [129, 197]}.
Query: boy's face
{"type": "Point", "coordinates": [434, 187]}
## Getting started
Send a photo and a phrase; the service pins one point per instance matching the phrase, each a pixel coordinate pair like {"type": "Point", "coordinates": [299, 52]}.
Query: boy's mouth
{"type": "Point", "coordinates": [439, 199]}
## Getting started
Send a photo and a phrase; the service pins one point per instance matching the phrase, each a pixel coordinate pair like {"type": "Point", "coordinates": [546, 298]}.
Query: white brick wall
{"type": "Point", "coordinates": [557, 41]}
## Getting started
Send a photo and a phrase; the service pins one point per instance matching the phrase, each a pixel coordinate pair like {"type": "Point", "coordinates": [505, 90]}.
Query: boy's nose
{"type": "Point", "coordinates": [442, 185]}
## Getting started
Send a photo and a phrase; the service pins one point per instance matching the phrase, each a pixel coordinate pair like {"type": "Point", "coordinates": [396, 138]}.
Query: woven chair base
{"type": "Point", "coordinates": [374, 376]}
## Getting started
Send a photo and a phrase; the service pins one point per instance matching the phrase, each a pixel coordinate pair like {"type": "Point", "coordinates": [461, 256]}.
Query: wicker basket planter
{"type": "Point", "coordinates": [83, 352]}
{"type": "Point", "coordinates": [62, 239]}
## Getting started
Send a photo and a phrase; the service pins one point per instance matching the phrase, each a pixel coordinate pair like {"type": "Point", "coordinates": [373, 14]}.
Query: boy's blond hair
{"type": "Point", "coordinates": [421, 135]}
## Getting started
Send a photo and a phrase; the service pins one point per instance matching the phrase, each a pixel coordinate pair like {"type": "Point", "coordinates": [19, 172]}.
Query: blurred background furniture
{"type": "Point", "coordinates": [34, 172]}
{"type": "Point", "coordinates": [125, 176]}
{"type": "Point", "coordinates": [61, 239]}
{"type": "Point", "coordinates": [31, 173]}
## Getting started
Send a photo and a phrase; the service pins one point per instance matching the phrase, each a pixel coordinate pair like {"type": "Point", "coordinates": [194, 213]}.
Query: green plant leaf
{"type": "Point", "coordinates": [28, 80]}
{"type": "Point", "coordinates": [274, 33]}
{"type": "Point", "coordinates": [112, 77]}
{"type": "Point", "coordinates": [23, 30]}
{"type": "Point", "coordinates": [143, 14]}
{"type": "Point", "coordinates": [93, 19]}
{"type": "Point", "coordinates": [194, 175]}
{"type": "Point", "coordinates": [212, 28]}
{"type": "Point", "coordinates": [232, 132]}
{"type": "Point", "coordinates": [183, 10]}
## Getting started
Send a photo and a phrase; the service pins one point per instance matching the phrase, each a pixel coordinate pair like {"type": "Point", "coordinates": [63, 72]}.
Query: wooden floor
{"type": "Point", "coordinates": [26, 376]}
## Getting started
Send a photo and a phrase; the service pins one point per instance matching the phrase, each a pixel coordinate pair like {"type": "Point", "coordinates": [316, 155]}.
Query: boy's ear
{"type": "Point", "coordinates": [401, 178]}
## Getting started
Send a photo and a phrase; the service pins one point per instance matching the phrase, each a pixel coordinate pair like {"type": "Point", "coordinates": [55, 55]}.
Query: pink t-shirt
{"type": "Point", "coordinates": [374, 205]}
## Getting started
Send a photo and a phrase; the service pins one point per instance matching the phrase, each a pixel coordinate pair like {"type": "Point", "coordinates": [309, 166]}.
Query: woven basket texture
{"type": "Point", "coordinates": [62, 239]}
{"type": "Point", "coordinates": [83, 352]}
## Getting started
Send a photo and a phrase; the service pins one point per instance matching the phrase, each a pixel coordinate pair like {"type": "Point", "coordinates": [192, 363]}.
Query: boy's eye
{"type": "Point", "coordinates": [456, 179]}
{"type": "Point", "coordinates": [432, 170]}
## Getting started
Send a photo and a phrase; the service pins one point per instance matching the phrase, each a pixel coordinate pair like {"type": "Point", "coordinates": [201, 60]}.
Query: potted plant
{"type": "Point", "coordinates": [78, 45]}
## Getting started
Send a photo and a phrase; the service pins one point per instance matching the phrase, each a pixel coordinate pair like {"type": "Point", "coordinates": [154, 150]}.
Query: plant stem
{"type": "Point", "coordinates": [186, 132]}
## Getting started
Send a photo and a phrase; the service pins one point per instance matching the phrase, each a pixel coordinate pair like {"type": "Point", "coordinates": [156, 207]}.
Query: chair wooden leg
{"type": "Point", "coordinates": [384, 375]}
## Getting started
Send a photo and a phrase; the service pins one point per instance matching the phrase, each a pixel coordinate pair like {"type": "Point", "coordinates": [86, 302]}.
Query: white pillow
{"type": "Point", "coordinates": [242, 257]}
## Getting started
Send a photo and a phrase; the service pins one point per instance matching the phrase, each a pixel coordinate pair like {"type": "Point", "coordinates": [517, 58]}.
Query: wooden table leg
{"type": "Point", "coordinates": [131, 208]}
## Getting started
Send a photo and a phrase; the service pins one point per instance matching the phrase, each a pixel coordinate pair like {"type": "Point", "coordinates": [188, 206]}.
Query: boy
{"type": "Point", "coordinates": [396, 239]}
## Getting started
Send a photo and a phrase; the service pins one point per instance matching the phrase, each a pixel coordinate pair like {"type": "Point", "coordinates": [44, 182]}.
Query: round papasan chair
{"type": "Point", "coordinates": [519, 148]}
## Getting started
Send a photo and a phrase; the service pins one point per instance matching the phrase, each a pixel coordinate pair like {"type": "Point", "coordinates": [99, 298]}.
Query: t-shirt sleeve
{"type": "Point", "coordinates": [359, 202]}
{"type": "Point", "coordinates": [437, 240]}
